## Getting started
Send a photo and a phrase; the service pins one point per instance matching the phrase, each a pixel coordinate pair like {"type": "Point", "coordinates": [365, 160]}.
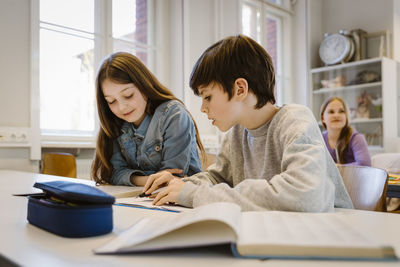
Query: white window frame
{"type": "Point", "coordinates": [283, 73]}
{"type": "Point", "coordinates": [103, 46]}
{"type": "Point", "coordinates": [258, 6]}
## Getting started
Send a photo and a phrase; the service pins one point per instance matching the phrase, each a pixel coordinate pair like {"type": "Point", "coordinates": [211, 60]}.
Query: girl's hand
{"type": "Point", "coordinates": [159, 179]}
{"type": "Point", "coordinates": [169, 194]}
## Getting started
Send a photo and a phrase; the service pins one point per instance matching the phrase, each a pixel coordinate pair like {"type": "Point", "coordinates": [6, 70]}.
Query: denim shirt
{"type": "Point", "coordinates": [164, 140]}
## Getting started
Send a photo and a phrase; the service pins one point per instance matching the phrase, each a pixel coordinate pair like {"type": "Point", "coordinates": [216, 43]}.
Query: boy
{"type": "Point", "coordinates": [273, 158]}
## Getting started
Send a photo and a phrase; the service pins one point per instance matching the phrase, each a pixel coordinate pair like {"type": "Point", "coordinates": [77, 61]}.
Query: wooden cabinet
{"type": "Point", "coordinates": [371, 90]}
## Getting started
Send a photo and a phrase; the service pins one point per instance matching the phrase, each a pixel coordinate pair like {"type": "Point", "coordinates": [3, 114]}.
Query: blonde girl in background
{"type": "Point", "coordinates": [346, 145]}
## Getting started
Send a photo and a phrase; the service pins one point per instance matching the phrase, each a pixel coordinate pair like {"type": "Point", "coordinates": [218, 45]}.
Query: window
{"type": "Point", "coordinates": [66, 66]}
{"type": "Point", "coordinates": [251, 25]}
{"type": "Point", "coordinates": [268, 22]}
{"type": "Point", "coordinates": [131, 31]}
{"type": "Point", "coordinates": [73, 37]}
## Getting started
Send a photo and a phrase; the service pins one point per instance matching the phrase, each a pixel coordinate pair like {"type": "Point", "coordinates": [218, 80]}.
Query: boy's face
{"type": "Point", "coordinates": [222, 112]}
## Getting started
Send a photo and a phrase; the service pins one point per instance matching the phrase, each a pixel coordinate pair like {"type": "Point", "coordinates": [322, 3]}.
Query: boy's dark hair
{"type": "Point", "coordinates": [232, 58]}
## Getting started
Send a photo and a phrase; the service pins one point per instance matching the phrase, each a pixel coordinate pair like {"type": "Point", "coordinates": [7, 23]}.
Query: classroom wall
{"type": "Point", "coordinates": [332, 16]}
{"type": "Point", "coordinates": [396, 32]}
{"type": "Point", "coordinates": [15, 63]}
{"type": "Point", "coordinates": [199, 32]}
{"type": "Point", "coordinates": [205, 22]}
{"type": "Point", "coordinates": [300, 61]}
{"type": "Point", "coordinates": [369, 15]}
{"type": "Point", "coordinates": [15, 78]}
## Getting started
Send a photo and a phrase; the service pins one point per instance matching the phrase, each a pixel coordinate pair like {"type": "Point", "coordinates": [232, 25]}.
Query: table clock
{"type": "Point", "coordinates": [336, 48]}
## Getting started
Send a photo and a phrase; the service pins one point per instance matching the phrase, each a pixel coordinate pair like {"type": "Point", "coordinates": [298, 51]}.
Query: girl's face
{"type": "Point", "coordinates": [334, 116]}
{"type": "Point", "coordinates": [125, 101]}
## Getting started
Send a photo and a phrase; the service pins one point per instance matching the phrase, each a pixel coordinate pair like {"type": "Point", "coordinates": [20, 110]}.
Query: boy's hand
{"type": "Point", "coordinates": [169, 194]}
{"type": "Point", "coordinates": [159, 179]}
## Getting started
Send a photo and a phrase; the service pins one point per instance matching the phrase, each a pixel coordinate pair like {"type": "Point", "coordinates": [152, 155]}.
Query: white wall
{"type": "Point", "coordinates": [199, 33]}
{"type": "Point", "coordinates": [331, 16]}
{"type": "Point", "coordinates": [369, 15]}
{"type": "Point", "coordinates": [164, 46]}
{"type": "Point", "coordinates": [15, 63]}
{"type": "Point", "coordinates": [15, 78]}
{"type": "Point", "coordinates": [205, 22]}
{"type": "Point", "coordinates": [396, 33]}
{"type": "Point", "coordinates": [300, 92]}
{"type": "Point", "coordinates": [312, 18]}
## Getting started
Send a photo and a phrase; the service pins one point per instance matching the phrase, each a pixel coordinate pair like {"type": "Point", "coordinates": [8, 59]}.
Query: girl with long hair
{"type": "Point", "coordinates": [144, 129]}
{"type": "Point", "coordinates": [346, 145]}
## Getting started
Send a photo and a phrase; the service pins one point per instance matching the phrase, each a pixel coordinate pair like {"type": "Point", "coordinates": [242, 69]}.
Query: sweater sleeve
{"type": "Point", "coordinates": [219, 172]}
{"type": "Point", "coordinates": [297, 173]}
{"type": "Point", "coordinates": [302, 186]}
{"type": "Point", "coordinates": [359, 146]}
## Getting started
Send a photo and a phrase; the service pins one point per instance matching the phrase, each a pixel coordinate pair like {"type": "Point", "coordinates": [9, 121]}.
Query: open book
{"type": "Point", "coordinates": [128, 196]}
{"type": "Point", "coordinates": [147, 203]}
{"type": "Point", "coordinates": [121, 191]}
{"type": "Point", "coordinates": [269, 234]}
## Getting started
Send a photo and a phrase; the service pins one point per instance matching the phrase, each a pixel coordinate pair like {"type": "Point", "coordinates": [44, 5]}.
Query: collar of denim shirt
{"type": "Point", "coordinates": [141, 130]}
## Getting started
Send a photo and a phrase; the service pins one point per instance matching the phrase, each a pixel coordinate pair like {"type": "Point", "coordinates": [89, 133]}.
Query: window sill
{"type": "Point", "coordinates": [68, 144]}
{"type": "Point", "coordinates": [11, 144]}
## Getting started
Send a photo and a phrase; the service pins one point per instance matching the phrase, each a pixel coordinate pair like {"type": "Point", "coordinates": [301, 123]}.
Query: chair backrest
{"type": "Point", "coordinates": [366, 186]}
{"type": "Point", "coordinates": [390, 162]}
{"type": "Point", "coordinates": [210, 159]}
{"type": "Point", "coordinates": [61, 164]}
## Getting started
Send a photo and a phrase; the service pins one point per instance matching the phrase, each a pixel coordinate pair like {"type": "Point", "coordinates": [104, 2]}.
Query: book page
{"type": "Point", "coordinates": [147, 202]}
{"type": "Point", "coordinates": [215, 223]}
{"type": "Point", "coordinates": [121, 191]}
{"type": "Point", "coordinates": [299, 228]}
{"type": "Point", "coordinates": [306, 235]}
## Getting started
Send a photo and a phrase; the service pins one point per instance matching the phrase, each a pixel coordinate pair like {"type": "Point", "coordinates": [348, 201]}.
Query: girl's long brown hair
{"type": "Point", "coordinates": [125, 68]}
{"type": "Point", "coordinates": [345, 133]}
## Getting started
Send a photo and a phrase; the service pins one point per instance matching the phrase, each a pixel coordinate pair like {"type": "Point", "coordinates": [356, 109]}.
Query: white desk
{"type": "Point", "coordinates": [28, 245]}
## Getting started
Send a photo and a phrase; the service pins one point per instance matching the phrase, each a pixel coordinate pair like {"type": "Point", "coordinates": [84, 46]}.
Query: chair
{"type": "Point", "coordinates": [60, 164]}
{"type": "Point", "coordinates": [210, 159]}
{"type": "Point", "coordinates": [390, 162]}
{"type": "Point", "coordinates": [366, 186]}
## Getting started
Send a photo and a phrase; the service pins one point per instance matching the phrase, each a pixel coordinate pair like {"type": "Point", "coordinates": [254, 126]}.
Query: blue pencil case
{"type": "Point", "coordinates": [71, 209]}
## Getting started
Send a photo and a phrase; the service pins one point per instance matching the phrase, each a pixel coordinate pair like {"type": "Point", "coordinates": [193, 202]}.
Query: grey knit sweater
{"type": "Point", "coordinates": [282, 165]}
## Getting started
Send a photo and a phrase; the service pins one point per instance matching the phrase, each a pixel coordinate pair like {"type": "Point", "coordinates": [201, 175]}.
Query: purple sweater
{"type": "Point", "coordinates": [357, 150]}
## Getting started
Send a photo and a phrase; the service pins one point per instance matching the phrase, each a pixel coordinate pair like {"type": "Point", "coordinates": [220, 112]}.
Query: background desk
{"type": "Point", "coordinates": [393, 190]}
{"type": "Point", "coordinates": [28, 245]}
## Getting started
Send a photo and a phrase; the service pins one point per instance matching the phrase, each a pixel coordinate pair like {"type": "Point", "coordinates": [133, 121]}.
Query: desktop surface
{"type": "Point", "coordinates": [28, 245]}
